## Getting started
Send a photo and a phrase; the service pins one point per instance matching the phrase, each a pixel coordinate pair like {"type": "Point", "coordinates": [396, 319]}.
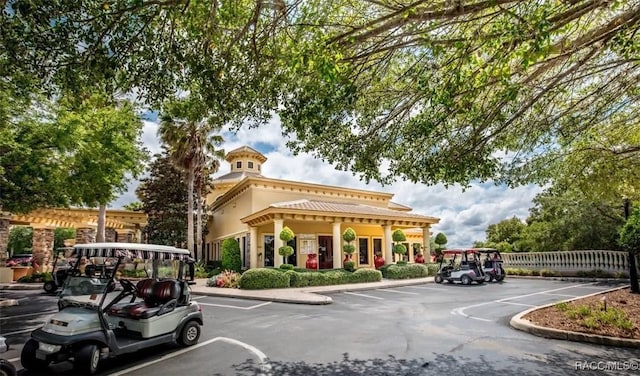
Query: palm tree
{"type": "Point", "coordinates": [210, 165]}
{"type": "Point", "coordinates": [187, 134]}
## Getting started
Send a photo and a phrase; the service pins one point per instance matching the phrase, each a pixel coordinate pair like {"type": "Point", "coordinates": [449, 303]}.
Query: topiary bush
{"type": "Point", "coordinates": [287, 267]}
{"type": "Point", "coordinates": [263, 278]}
{"type": "Point", "coordinates": [286, 235]}
{"type": "Point", "coordinates": [349, 266]}
{"type": "Point", "coordinates": [348, 236]}
{"type": "Point", "coordinates": [231, 255]}
{"type": "Point", "coordinates": [399, 249]}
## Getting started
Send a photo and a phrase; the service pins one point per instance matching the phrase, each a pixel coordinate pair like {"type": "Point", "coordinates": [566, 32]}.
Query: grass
{"type": "Point", "coordinates": [596, 317]}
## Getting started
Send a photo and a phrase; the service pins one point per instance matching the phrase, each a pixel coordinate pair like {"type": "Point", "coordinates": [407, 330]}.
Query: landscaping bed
{"type": "Point", "coordinates": [587, 315]}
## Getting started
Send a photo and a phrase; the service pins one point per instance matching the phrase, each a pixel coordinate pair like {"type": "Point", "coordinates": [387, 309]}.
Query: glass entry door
{"type": "Point", "coordinates": [325, 252]}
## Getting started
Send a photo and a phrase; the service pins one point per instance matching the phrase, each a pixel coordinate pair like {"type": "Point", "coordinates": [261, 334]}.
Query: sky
{"type": "Point", "coordinates": [464, 215]}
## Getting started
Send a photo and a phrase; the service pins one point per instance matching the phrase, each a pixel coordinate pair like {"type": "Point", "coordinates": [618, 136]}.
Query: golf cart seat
{"type": "Point", "coordinates": [144, 290]}
{"type": "Point", "coordinates": [163, 299]}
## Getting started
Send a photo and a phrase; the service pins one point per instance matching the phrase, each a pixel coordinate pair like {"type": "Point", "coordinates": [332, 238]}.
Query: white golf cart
{"type": "Point", "coordinates": [467, 270]}
{"type": "Point", "coordinates": [98, 321]}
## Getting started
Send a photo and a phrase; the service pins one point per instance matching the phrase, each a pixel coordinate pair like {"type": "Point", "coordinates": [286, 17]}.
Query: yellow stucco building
{"type": "Point", "coordinates": [253, 209]}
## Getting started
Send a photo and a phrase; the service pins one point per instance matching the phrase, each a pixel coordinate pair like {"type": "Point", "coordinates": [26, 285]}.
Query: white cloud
{"type": "Point", "coordinates": [464, 215]}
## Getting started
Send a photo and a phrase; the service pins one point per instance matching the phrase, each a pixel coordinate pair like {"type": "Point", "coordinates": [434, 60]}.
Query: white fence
{"type": "Point", "coordinates": [571, 261]}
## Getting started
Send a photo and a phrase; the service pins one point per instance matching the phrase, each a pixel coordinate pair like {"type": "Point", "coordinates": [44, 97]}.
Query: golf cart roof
{"type": "Point", "coordinates": [459, 251]}
{"type": "Point", "coordinates": [485, 250]}
{"type": "Point", "coordinates": [134, 250]}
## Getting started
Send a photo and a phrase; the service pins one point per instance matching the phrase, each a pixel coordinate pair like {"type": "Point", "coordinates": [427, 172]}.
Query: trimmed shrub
{"type": "Point", "coordinates": [405, 271]}
{"type": "Point", "coordinates": [231, 255]}
{"type": "Point", "coordinates": [547, 273]}
{"type": "Point", "coordinates": [262, 278]}
{"type": "Point", "coordinates": [398, 236]}
{"type": "Point", "coordinates": [432, 269]}
{"type": "Point", "coordinates": [332, 277]}
{"type": "Point", "coordinates": [287, 266]}
{"type": "Point", "coordinates": [350, 266]}
{"type": "Point", "coordinates": [349, 249]}
{"type": "Point", "coordinates": [367, 275]}
{"type": "Point", "coordinates": [349, 235]}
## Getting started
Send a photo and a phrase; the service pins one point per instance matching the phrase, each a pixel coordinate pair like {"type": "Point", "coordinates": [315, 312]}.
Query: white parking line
{"type": "Point", "coordinates": [543, 292]}
{"type": "Point", "coordinates": [424, 288]}
{"type": "Point", "coordinates": [24, 330]}
{"type": "Point", "coordinates": [563, 295]}
{"type": "Point", "coordinates": [398, 292]}
{"type": "Point", "coordinates": [460, 311]}
{"type": "Point", "coordinates": [518, 304]}
{"type": "Point", "coordinates": [234, 307]}
{"type": "Point", "coordinates": [264, 364]}
{"type": "Point", "coordinates": [363, 295]}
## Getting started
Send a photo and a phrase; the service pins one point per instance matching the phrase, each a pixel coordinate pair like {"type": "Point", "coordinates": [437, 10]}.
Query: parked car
{"type": "Point", "coordinates": [96, 321]}
{"type": "Point", "coordinates": [460, 265]}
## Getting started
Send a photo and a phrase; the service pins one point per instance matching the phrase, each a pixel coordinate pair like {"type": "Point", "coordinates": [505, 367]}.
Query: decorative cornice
{"type": "Point", "coordinates": [300, 187]}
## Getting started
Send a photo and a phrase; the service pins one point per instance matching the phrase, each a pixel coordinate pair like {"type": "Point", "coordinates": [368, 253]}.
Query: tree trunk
{"type": "Point", "coordinates": [199, 224]}
{"type": "Point", "coordinates": [190, 179]}
{"type": "Point", "coordinates": [102, 220]}
{"type": "Point", "coordinates": [633, 274]}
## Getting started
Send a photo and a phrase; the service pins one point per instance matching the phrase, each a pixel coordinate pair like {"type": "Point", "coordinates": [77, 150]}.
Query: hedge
{"type": "Point", "coordinates": [404, 271]}
{"type": "Point", "coordinates": [262, 278]}
{"type": "Point", "coordinates": [275, 278]}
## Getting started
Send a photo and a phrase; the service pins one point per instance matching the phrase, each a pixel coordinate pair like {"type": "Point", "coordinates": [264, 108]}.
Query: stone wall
{"type": "Point", "coordinates": [85, 235]}
{"type": "Point", "coordinates": [110, 235]}
{"type": "Point", "coordinates": [42, 246]}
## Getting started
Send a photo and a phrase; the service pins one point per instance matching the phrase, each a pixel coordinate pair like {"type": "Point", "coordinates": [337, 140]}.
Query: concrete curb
{"type": "Point", "coordinates": [524, 325]}
{"type": "Point", "coordinates": [22, 286]}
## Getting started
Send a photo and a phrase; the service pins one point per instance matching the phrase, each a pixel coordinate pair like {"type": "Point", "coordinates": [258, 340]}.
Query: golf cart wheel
{"type": "Point", "coordinates": [50, 287]}
{"type": "Point", "coordinates": [190, 334]}
{"type": "Point", "coordinates": [438, 278]}
{"type": "Point", "coordinates": [500, 278]}
{"type": "Point", "coordinates": [28, 357]}
{"type": "Point", "coordinates": [480, 281]}
{"type": "Point", "coordinates": [488, 277]}
{"type": "Point", "coordinates": [87, 359]}
{"type": "Point", "coordinates": [6, 368]}
{"type": "Point", "coordinates": [465, 279]}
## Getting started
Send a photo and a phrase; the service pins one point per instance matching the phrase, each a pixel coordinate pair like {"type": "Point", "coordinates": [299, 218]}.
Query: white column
{"type": "Point", "coordinates": [278, 224]}
{"type": "Point", "coordinates": [426, 243]}
{"type": "Point", "coordinates": [253, 251]}
{"type": "Point", "coordinates": [337, 248]}
{"type": "Point", "coordinates": [387, 243]}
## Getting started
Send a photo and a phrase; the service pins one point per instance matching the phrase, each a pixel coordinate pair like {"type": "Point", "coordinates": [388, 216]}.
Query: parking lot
{"type": "Point", "coordinates": [414, 330]}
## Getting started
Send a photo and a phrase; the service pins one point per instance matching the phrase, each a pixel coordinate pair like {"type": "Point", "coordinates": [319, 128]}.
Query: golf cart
{"type": "Point", "coordinates": [6, 368]}
{"type": "Point", "coordinates": [98, 321]}
{"type": "Point", "coordinates": [459, 265]}
{"type": "Point", "coordinates": [491, 264]}
{"type": "Point", "coordinates": [59, 272]}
